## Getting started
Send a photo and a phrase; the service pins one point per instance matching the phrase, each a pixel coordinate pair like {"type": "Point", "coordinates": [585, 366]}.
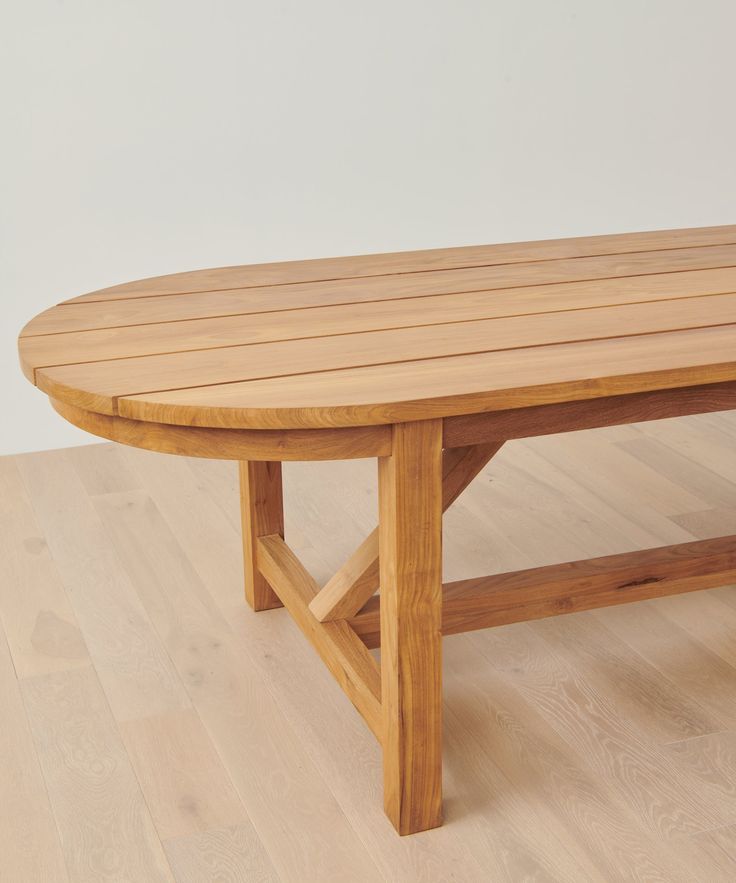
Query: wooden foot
{"type": "Point", "coordinates": [262, 509]}
{"type": "Point", "coordinates": [410, 539]}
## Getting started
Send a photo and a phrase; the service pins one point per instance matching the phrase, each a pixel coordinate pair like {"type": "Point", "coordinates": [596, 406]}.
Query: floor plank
{"type": "Point", "coordinates": [271, 771]}
{"type": "Point", "coordinates": [136, 673]}
{"type": "Point", "coordinates": [41, 627]}
{"type": "Point", "coordinates": [701, 675]}
{"type": "Point", "coordinates": [586, 719]}
{"type": "Point", "coordinates": [720, 847]}
{"type": "Point", "coordinates": [211, 536]}
{"type": "Point", "coordinates": [711, 761]}
{"type": "Point", "coordinates": [185, 784]}
{"type": "Point", "coordinates": [639, 693]}
{"type": "Point", "coordinates": [105, 826]}
{"type": "Point", "coordinates": [225, 855]}
{"type": "Point", "coordinates": [30, 848]}
{"type": "Point", "coordinates": [583, 807]}
{"type": "Point", "coordinates": [285, 662]}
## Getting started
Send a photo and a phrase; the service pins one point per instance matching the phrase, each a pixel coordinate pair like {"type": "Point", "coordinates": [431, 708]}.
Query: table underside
{"type": "Point", "coordinates": [423, 466]}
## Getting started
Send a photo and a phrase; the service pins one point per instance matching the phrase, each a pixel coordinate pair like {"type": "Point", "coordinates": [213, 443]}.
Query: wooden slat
{"type": "Point", "coordinates": [100, 383]}
{"type": "Point", "coordinates": [262, 514]}
{"type": "Point", "coordinates": [46, 350]}
{"type": "Point", "coordinates": [449, 386]}
{"type": "Point", "coordinates": [410, 519]}
{"type": "Point", "coordinates": [414, 261]}
{"type": "Point", "coordinates": [340, 649]}
{"type": "Point", "coordinates": [473, 429]}
{"type": "Point", "coordinates": [355, 582]}
{"type": "Point", "coordinates": [579, 585]}
{"type": "Point", "coordinates": [289, 310]}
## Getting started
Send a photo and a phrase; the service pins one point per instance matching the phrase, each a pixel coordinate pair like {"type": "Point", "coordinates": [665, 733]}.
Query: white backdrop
{"type": "Point", "coordinates": [142, 137]}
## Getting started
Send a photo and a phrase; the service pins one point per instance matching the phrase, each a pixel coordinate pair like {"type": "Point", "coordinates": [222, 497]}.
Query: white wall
{"type": "Point", "coordinates": [142, 137]}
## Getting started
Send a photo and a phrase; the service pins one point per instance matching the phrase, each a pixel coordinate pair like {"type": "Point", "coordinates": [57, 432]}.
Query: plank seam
{"type": "Point", "coordinates": [401, 272]}
{"type": "Point", "coordinates": [126, 395]}
{"type": "Point", "coordinates": [198, 349]}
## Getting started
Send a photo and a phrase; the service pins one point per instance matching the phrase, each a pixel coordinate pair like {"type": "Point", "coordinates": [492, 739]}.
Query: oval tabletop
{"type": "Point", "coordinates": [378, 339]}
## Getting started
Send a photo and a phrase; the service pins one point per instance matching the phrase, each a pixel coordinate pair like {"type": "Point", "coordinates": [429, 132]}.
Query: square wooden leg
{"type": "Point", "coordinates": [410, 542]}
{"type": "Point", "coordinates": [262, 509]}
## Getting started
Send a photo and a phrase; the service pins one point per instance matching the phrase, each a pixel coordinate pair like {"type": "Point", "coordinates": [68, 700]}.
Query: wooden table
{"type": "Point", "coordinates": [428, 361]}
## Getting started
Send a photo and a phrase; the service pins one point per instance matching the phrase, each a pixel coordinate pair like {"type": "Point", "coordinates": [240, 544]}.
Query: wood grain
{"type": "Point", "coordinates": [227, 855]}
{"type": "Point", "coordinates": [186, 787]}
{"type": "Point", "coordinates": [618, 755]}
{"type": "Point", "coordinates": [700, 675]}
{"type": "Point", "coordinates": [376, 346]}
{"type": "Point", "coordinates": [265, 757]}
{"type": "Point", "coordinates": [720, 845]}
{"type": "Point", "coordinates": [101, 383]}
{"type": "Point", "coordinates": [42, 630]}
{"type": "Point", "coordinates": [105, 826]}
{"type": "Point", "coordinates": [529, 792]}
{"type": "Point", "coordinates": [331, 724]}
{"type": "Point", "coordinates": [505, 598]}
{"type": "Point", "coordinates": [416, 261]}
{"type": "Point", "coordinates": [341, 651]}
{"type": "Point", "coordinates": [29, 839]}
{"type": "Point", "coordinates": [262, 514]}
{"type": "Point", "coordinates": [528, 753]}
{"type": "Point", "coordinates": [711, 759]}
{"type": "Point", "coordinates": [351, 586]}
{"type": "Point", "coordinates": [133, 328]}
{"type": "Point", "coordinates": [507, 348]}
{"type": "Point", "coordinates": [358, 579]}
{"type": "Point", "coordinates": [649, 700]}
{"type": "Point", "coordinates": [472, 429]}
{"type": "Point", "coordinates": [410, 539]}
{"type": "Point", "coordinates": [136, 673]}
{"type": "Point", "coordinates": [454, 385]}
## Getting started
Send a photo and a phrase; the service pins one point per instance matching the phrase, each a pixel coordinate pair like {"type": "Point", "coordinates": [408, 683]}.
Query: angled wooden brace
{"type": "Point", "coordinates": [342, 651]}
{"type": "Point", "coordinates": [358, 579]}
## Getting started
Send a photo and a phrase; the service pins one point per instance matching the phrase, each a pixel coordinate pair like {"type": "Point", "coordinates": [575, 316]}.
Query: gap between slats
{"type": "Point", "coordinates": [225, 346]}
{"type": "Point", "coordinates": [730, 240]}
{"type": "Point", "coordinates": [115, 399]}
{"type": "Point", "coordinates": [378, 354]}
{"type": "Point", "coordinates": [366, 293]}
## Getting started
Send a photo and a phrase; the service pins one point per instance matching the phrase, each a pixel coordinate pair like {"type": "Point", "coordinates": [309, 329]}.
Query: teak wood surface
{"type": "Point", "coordinates": [428, 361]}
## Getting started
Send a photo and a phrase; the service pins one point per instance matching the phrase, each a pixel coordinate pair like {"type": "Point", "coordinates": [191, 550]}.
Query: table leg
{"type": "Point", "coordinates": [262, 510]}
{"type": "Point", "coordinates": [410, 542]}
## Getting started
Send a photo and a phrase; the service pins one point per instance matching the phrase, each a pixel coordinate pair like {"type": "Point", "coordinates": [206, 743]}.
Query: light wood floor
{"type": "Point", "coordinates": [153, 728]}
